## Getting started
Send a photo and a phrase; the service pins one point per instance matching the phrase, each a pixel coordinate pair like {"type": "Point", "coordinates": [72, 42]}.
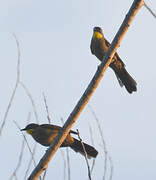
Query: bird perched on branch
{"type": "Point", "coordinates": [99, 46]}
{"type": "Point", "coordinates": [46, 133]}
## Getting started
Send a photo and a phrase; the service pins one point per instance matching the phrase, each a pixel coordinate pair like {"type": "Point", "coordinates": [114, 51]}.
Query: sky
{"type": "Point", "coordinates": [54, 39]}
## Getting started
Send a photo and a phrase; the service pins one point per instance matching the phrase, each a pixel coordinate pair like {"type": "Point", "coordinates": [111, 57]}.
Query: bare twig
{"type": "Point", "coordinates": [91, 135]}
{"type": "Point", "coordinates": [137, 4]}
{"type": "Point", "coordinates": [86, 155]}
{"type": "Point", "coordinates": [150, 10]}
{"type": "Point", "coordinates": [31, 99]}
{"type": "Point", "coordinates": [64, 162]}
{"type": "Point", "coordinates": [49, 121]}
{"type": "Point", "coordinates": [36, 117]}
{"type": "Point", "coordinates": [15, 177]}
{"type": "Point", "coordinates": [26, 142]}
{"type": "Point", "coordinates": [22, 151]}
{"type": "Point", "coordinates": [104, 146]}
{"type": "Point", "coordinates": [48, 114]}
{"type": "Point", "coordinates": [44, 175]}
{"type": "Point", "coordinates": [32, 153]}
{"type": "Point", "coordinates": [19, 161]}
{"type": "Point", "coordinates": [15, 88]}
{"type": "Point", "coordinates": [68, 163]}
{"type": "Point", "coordinates": [68, 158]}
{"type": "Point", "coordinates": [31, 160]}
{"type": "Point", "coordinates": [103, 141]}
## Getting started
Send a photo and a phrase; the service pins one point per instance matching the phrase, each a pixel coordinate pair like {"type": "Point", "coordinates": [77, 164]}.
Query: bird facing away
{"type": "Point", "coordinates": [99, 46]}
{"type": "Point", "coordinates": [46, 133]}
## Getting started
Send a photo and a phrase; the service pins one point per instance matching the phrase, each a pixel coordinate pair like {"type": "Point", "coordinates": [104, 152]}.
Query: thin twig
{"type": "Point", "coordinates": [32, 153]}
{"type": "Point", "coordinates": [31, 160]}
{"type": "Point", "coordinates": [68, 157]}
{"type": "Point", "coordinates": [31, 99]}
{"type": "Point", "coordinates": [91, 135]}
{"type": "Point", "coordinates": [44, 175]}
{"type": "Point", "coordinates": [15, 88]}
{"type": "Point", "coordinates": [36, 117]}
{"type": "Point", "coordinates": [49, 121]}
{"type": "Point", "coordinates": [68, 162]}
{"type": "Point", "coordinates": [103, 141]}
{"type": "Point", "coordinates": [86, 155]}
{"type": "Point", "coordinates": [15, 177]}
{"type": "Point", "coordinates": [46, 106]}
{"type": "Point", "coordinates": [19, 161]}
{"type": "Point", "coordinates": [150, 10]}
{"type": "Point", "coordinates": [64, 162]}
{"type": "Point", "coordinates": [137, 4]}
{"type": "Point", "coordinates": [26, 142]}
{"type": "Point", "coordinates": [21, 153]}
{"type": "Point", "coordinates": [104, 146]}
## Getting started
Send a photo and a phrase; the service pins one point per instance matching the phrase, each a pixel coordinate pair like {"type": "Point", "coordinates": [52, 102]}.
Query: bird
{"type": "Point", "coordinates": [99, 46]}
{"type": "Point", "coordinates": [44, 134]}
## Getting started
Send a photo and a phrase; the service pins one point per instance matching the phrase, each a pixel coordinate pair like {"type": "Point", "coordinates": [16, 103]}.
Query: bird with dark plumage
{"type": "Point", "coordinates": [46, 133]}
{"type": "Point", "coordinates": [99, 46]}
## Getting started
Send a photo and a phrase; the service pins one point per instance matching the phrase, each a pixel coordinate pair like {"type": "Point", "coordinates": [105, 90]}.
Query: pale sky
{"type": "Point", "coordinates": [54, 39]}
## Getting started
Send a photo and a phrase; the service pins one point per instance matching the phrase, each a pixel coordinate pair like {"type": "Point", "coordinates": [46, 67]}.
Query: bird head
{"type": "Point", "coordinates": [97, 33]}
{"type": "Point", "coordinates": [30, 128]}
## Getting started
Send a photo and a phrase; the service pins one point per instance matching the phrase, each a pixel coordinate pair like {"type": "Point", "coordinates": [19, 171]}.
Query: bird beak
{"type": "Point", "coordinates": [23, 129]}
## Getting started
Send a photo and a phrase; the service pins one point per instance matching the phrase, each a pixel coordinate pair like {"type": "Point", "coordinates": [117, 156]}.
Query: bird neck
{"type": "Point", "coordinates": [30, 131]}
{"type": "Point", "coordinates": [97, 35]}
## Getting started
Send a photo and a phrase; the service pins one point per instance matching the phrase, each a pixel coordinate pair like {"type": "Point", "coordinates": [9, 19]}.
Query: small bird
{"type": "Point", "coordinates": [45, 134]}
{"type": "Point", "coordinates": [99, 46]}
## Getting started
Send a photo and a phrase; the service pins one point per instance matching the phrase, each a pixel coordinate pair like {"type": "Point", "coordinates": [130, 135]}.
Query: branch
{"type": "Point", "coordinates": [26, 143]}
{"type": "Point", "coordinates": [19, 161]}
{"type": "Point", "coordinates": [104, 147]}
{"type": "Point", "coordinates": [86, 156]}
{"type": "Point", "coordinates": [68, 158]}
{"type": "Point", "coordinates": [16, 85]}
{"type": "Point", "coordinates": [91, 135]}
{"type": "Point", "coordinates": [31, 160]}
{"type": "Point", "coordinates": [137, 4]}
{"type": "Point", "coordinates": [150, 10]}
{"type": "Point", "coordinates": [68, 163]}
{"type": "Point", "coordinates": [31, 99]}
{"type": "Point", "coordinates": [22, 152]}
{"type": "Point", "coordinates": [64, 162]}
{"type": "Point", "coordinates": [47, 109]}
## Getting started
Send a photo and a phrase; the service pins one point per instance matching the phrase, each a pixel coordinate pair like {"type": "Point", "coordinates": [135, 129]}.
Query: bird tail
{"type": "Point", "coordinates": [126, 79]}
{"type": "Point", "coordinates": [90, 150]}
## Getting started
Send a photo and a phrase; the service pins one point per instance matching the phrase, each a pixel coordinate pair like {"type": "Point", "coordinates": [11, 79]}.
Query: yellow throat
{"type": "Point", "coordinates": [30, 131]}
{"type": "Point", "coordinates": [97, 35]}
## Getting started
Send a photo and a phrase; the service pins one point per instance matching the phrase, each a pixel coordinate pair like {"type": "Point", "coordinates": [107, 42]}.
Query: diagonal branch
{"type": "Point", "coordinates": [137, 4]}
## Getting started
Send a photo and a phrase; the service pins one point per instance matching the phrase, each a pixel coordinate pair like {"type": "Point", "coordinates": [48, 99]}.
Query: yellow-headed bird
{"type": "Point", "coordinates": [99, 46]}
{"type": "Point", "coordinates": [45, 134]}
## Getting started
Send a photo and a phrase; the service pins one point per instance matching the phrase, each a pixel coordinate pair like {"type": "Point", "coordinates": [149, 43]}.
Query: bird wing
{"type": "Point", "coordinates": [91, 46]}
{"type": "Point", "coordinates": [116, 54]}
{"type": "Point", "coordinates": [50, 126]}
{"type": "Point", "coordinates": [55, 127]}
{"type": "Point", "coordinates": [117, 59]}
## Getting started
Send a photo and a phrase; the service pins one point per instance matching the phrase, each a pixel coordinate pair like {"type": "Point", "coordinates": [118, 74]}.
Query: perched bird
{"type": "Point", "coordinates": [45, 134]}
{"type": "Point", "coordinates": [99, 46]}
